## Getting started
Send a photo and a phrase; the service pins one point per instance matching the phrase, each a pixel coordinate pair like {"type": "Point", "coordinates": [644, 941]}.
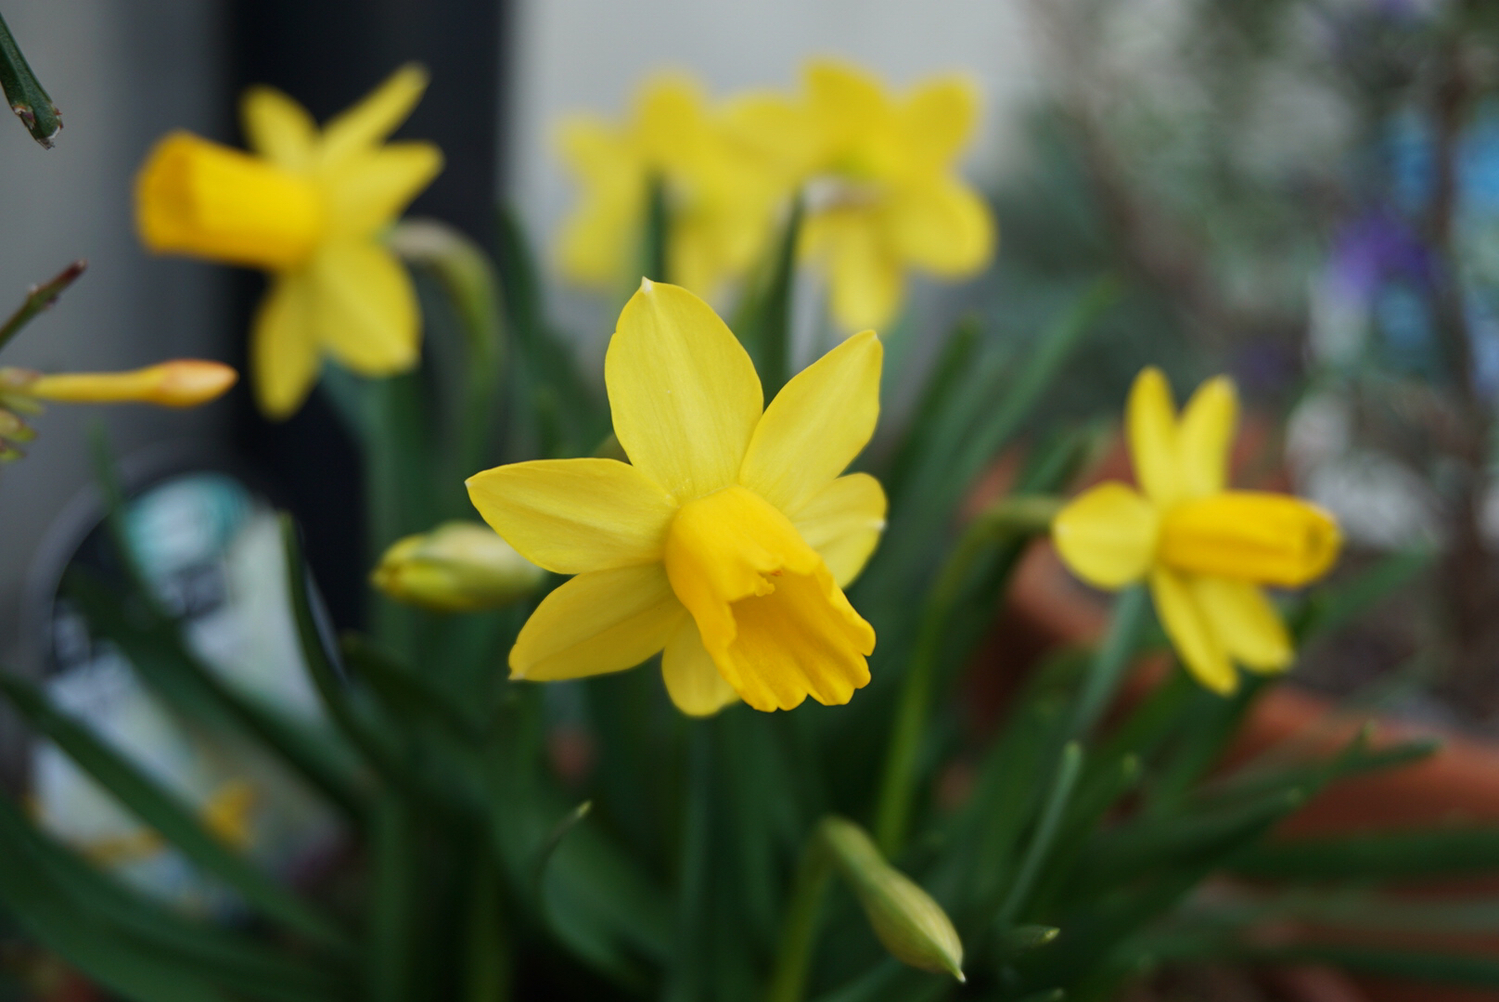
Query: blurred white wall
{"type": "Point", "coordinates": [123, 72]}
{"type": "Point", "coordinates": [573, 55]}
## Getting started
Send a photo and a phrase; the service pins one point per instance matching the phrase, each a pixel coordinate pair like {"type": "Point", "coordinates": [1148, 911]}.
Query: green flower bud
{"type": "Point", "coordinates": [912, 926]}
{"type": "Point", "coordinates": [457, 567]}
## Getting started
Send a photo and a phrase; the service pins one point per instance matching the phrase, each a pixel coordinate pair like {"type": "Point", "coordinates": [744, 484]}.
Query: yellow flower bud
{"type": "Point", "coordinates": [457, 567]}
{"type": "Point", "coordinates": [911, 925]}
{"type": "Point", "coordinates": [180, 383]}
{"type": "Point", "coordinates": [1271, 539]}
{"type": "Point", "coordinates": [197, 197]}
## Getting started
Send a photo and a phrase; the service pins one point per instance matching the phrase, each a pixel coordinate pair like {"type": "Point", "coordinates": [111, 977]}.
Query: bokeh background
{"type": "Point", "coordinates": [1302, 193]}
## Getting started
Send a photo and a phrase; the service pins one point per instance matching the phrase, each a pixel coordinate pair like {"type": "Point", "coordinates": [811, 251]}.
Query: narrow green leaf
{"type": "Point", "coordinates": [168, 816]}
{"type": "Point", "coordinates": [1113, 657]}
{"type": "Point", "coordinates": [222, 956]}
{"type": "Point", "coordinates": [25, 93]}
{"type": "Point", "coordinates": [1131, 851]}
{"type": "Point", "coordinates": [372, 744]}
{"type": "Point", "coordinates": [155, 650]}
{"type": "Point", "coordinates": [765, 326]}
{"type": "Point", "coordinates": [1069, 767]}
{"type": "Point", "coordinates": [1474, 970]}
{"type": "Point", "coordinates": [554, 838]}
{"type": "Point", "coordinates": [655, 239]}
{"type": "Point", "coordinates": [1379, 856]}
{"type": "Point", "coordinates": [398, 687]}
{"type": "Point", "coordinates": [393, 887]}
{"type": "Point", "coordinates": [1022, 938]}
{"type": "Point", "coordinates": [468, 278]}
{"type": "Point", "coordinates": [1331, 608]}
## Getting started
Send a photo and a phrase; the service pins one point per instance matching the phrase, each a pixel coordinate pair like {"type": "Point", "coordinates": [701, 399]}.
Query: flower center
{"type": "Point", "coordinates": [199, 198]}
{"type": "Point", "coordinates": [1271, 539]}
{"type": "Point", "coordinates": [776, 624]}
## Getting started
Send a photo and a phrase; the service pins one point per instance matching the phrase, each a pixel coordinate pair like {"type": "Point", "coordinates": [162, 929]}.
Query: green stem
{"type": "Point", "coordinates": [1008, 518]}
{"type": "Point", "coordinates": [393, 854]}
{"type": "Point", "coordinates": [656, 258]}
{"type": "Point", "coordinates": [1068, 769]}
{"type": "Point", "coordinates": [788, 982]}
{"type": "Point", "coordinates": [775, 324]}
{"type": "Point", "coordinates": [1111, 659]}
{"type": "Point", "coordinates": [688, 980]}
{"type": "Point", "coordinates": [39, 297]}
{"type": "Point", "coordinates": [488, 952]}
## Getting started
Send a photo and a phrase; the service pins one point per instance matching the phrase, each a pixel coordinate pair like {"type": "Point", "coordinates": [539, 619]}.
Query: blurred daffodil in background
{"type": "Point", "coordinates": [720, 199]}
{"type": "Point", "coordinates": [883, 195]}
{"type": "Point", "coordinates": [876, 174]}
{"type": "Point", "coordinates": [1207, 551]}
{"type": "Point", "coordinates": [727, 539]}
{"type": "Point", "coordinates": [178, 383]}
{"type": "Point", "coordinates": [309, 208]}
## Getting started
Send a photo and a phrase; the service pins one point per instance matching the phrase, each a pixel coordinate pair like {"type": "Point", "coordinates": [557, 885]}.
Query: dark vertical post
{"type": "Point", "coordinates": [328, 54]}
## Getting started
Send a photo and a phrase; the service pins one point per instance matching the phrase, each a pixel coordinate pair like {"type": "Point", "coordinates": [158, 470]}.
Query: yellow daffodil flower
{"type": "Point", "coordinates": [1206, 550]}
{"type": "Point", "coordinates": [883, 195]}
{"type": "Point", "coordinates": [457, 567]}
{"type": "Point", "coordinates": [184, 382]}
{"type": "Point", "coordinates": [727, 539]}
{"type": "Point", "coordinates": [721, 199]}
{"type": "Point", "coordinates": [309, 209]}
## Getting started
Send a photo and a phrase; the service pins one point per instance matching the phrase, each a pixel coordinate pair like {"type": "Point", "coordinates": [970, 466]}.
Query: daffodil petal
{"type": "Point", "coordinates": [846, 99]}
{"type": "Point", "coordinates": [1150, 419]}
{"type": "Point", "coordinates": [1245, 622]}
{"type": "Point", "coordinates": [377, 116]}
{"type": "Point", "coordinates": [843, 522]}
{"type": "Point", "coordinates": [1191, 632]}
{"type": "Point", "coordinates": [683, 391]}
{"type": "Point", "coordinates": [366, 310]}
{"type": "Point", "coordinates": [1204, 438]}
{"type": "Point", "coordinates": [1107, 535]}
{"type": "Point", "coordinates": [864, 278]}
{"type": "Point", "coordinates": [370, 189]}
{"type": "Point", "coordinates": [277, 127]}
{"type": "Point", "coordinates": [939, 117]}
{"type": "Point", "coordinates": [816, 425]}
{"type": "Point", "coordinates": [941, 225]}
{"type": "Point", "coordinates": [575, 515]}
{"type": "Point", "coordinates": [669, 117]}
{"type": "Point", "coordinates": [283, 346]}
{"type": "Point", "coordinates": [596, 623]}
{"type": "Point", "coordinates": [692, 679]}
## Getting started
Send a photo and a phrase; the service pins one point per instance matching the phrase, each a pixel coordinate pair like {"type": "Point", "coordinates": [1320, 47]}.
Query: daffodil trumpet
{"type": "Point", "coordinates": [1207, 551]}
{"type": "Point", "coordinates": [725, 543]}
{"type": "Point", "coordinates": [309, 207]}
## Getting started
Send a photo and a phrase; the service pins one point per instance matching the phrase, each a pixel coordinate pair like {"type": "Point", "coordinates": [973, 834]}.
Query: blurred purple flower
{"type": "Point", "coordinates": [1373, 249]}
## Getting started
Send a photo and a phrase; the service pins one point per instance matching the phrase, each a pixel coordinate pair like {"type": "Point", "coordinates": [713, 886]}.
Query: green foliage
{"type": "Point", "coordinates": [694, 859]}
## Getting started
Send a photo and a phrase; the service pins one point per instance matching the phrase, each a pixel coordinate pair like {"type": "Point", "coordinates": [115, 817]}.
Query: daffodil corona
{"type": "Point", "coordinates": [1206, 550]}
{"type": "Point", "coordinates": [309, 209]}
{"type": "Point", "coordinates": [727, 539]}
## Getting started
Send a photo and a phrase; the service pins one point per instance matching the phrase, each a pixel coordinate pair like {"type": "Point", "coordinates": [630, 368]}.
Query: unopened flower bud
{"type": "Point", "coordinates": [911, 925]}
{"type": "Point", "coordinates": [457, 567]}
{"type": "Point", "coordinates": [180, 383]}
